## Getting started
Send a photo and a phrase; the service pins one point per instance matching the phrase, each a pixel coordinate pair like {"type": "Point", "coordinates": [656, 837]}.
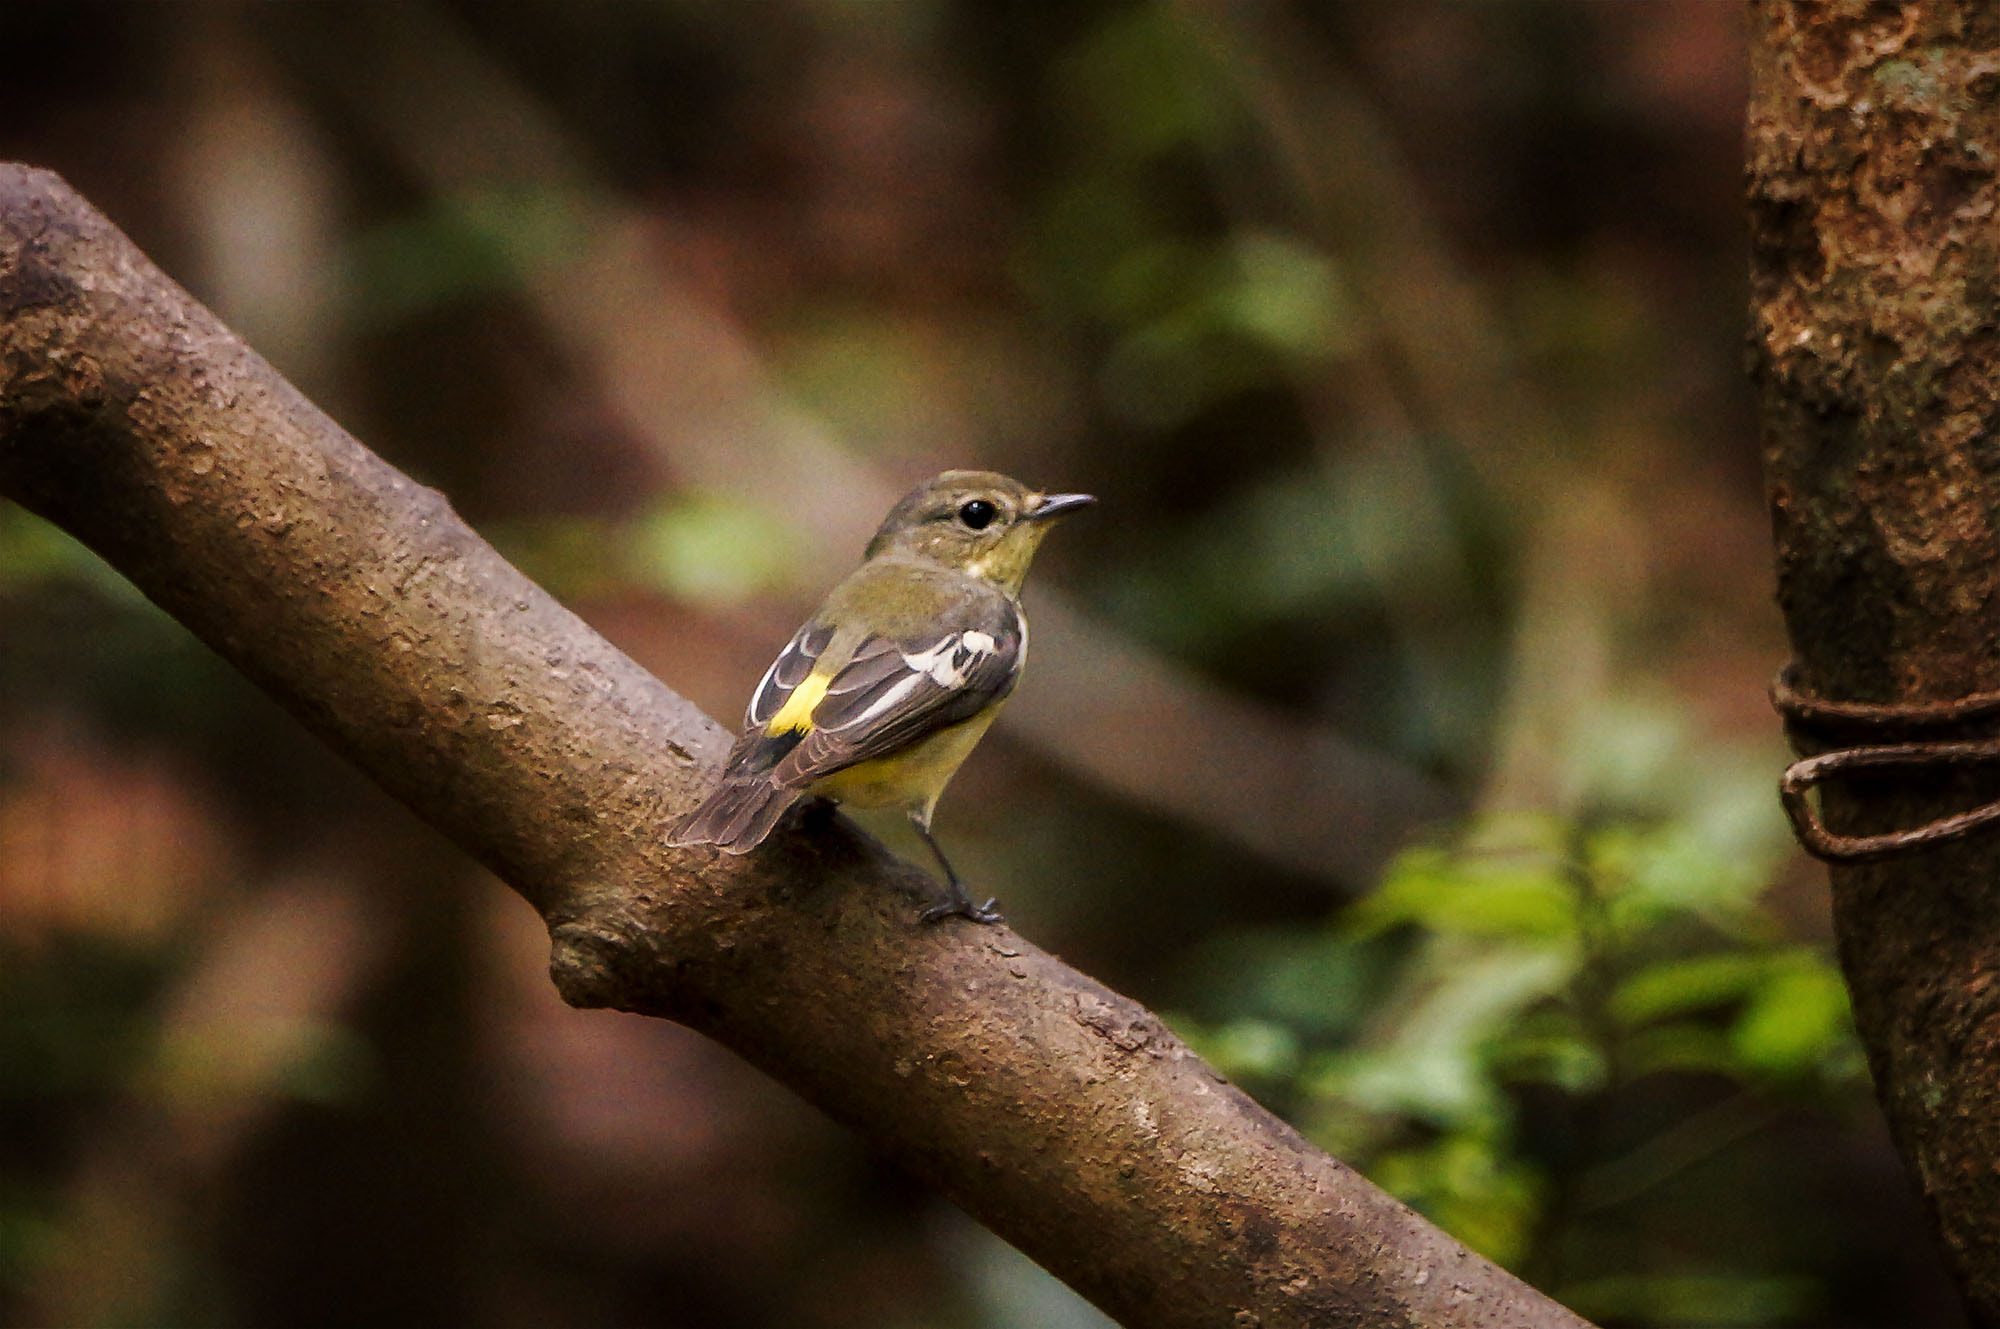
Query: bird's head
{"type": "Point", "coordinates": [976, 521]}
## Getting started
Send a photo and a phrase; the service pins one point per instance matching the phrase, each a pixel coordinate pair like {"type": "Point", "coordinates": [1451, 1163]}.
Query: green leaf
{"type": "Point", "coordinates": [1316, 984]}
{"type": "Point", "coordinates": [1681, 1046]}
{"type": "Point", "coordinates": [1466, 1184]}
{"type": "Point", "coordinates": [1244, 1049]}
{"type": "Point", "coordinates": [1683, 986]}
{"type": "Point", "coordinates": [1656, 874]}
{"type": "Point", "coordinates": [34, 552]}
{"type": "Point", "coordinates": [1467, 895]}
{"type": "Point", "coordinates": [1433, 1065]}
{"type": "Point", "coordinates": [1798, 1020]}
{"type": "Point", "coordinates": [1548, 1046]}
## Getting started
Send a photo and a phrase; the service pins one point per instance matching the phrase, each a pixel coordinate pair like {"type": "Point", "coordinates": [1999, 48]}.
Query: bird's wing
{"type": "Point", "coordinates": [744, 806]}
{"type": "Point", "coordinates": [792, 667]}
{"type": "Point", "coordinates": [891, 693]}
{"type": "Point", "coordinates": [821, 707]}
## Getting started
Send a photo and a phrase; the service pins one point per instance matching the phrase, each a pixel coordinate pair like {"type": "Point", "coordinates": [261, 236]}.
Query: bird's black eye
{"type": "Point", "coordinates": [978, 514]}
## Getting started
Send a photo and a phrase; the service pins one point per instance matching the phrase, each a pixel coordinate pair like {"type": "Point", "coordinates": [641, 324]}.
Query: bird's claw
{"type": "Point", "coordinates": [963, 908]}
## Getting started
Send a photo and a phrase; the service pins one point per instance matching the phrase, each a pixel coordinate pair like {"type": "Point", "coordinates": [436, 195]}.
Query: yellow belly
{"type": "Point", "coordinates": [913, 777]}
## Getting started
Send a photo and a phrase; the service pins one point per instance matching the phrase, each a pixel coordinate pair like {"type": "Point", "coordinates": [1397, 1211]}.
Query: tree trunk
{"type": "Point", "coordinates": [1063, 1116]}
{"type": "Point", "coordinates": [1874, 134]}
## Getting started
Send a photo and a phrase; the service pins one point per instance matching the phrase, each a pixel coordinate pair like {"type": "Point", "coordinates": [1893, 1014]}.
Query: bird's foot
{"type": "Point", "coordinates": [963, 907]}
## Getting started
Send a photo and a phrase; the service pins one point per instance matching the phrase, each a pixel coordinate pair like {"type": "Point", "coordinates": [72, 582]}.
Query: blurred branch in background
{"type": "Point", "coordinates": [256, 181]}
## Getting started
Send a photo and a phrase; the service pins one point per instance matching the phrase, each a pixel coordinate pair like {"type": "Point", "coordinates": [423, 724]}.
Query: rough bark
{"type": "Point", "coordinates": [1062, 1115]}
{"type": "Point", "coordinates": [1874, 134]}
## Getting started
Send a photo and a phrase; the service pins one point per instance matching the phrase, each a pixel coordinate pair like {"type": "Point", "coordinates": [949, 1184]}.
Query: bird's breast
{"type": "Point", "coordinates": [911, 777]}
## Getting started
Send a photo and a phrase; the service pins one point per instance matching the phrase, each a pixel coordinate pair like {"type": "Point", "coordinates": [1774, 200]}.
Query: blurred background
{"type": "Point", "coordinates": [1396, 724]}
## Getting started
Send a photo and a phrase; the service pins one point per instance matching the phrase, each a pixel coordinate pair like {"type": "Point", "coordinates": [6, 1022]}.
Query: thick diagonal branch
{"type": "Point", "coordinates": [1063, 1116]}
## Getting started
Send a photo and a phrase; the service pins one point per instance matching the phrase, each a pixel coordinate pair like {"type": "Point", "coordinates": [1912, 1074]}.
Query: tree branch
{"type": "Point", "coordinates": [1060, 1114]}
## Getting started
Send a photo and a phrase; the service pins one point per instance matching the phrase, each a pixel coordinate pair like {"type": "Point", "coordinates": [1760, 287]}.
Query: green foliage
{"type": "Point", "coordinates": [710, 549]}
{"type": "Point", "coordinates": [73, 1027]}
{"type": "Point", "coordinates": [1709, 1299]}
{"type": "Point", "coordinates": [82, 1042]}
{"type": "Point", "coordinates": [1203, 322]}
{"type": "Point", "coordinates": [456, 248]}
{"type": "Point", "coordinates": [310, 1061]}
{"type": "Point", "coordinates": [1193, 314]}
{"type": "Point", "coordinates": [77, 633]}
{"type": "Point", "coordinates": [1143, 84]}
{"type": "Point", "coordinates": [1328, 539]}
{"type": "Point", "coordinates": [72, 1021]}
{"type": "Point", "coordinates": [27, 1231]}
{"type": "Point", "coordinates": [34, 554]}
{"type": "Point", "coordinates": [1586, 961]}
{"type": "Point", "coordinates": [694, 547]}
{"type": "Point", "coordinates": [1471, 1187]}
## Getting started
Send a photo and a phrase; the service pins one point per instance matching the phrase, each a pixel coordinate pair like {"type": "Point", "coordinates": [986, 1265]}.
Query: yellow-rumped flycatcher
{"type": "Point", "coordinates": [880, 696]}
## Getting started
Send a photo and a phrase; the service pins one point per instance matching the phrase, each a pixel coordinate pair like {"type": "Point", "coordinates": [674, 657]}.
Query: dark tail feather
{"type": "Point", "coordinates": [736, 817]}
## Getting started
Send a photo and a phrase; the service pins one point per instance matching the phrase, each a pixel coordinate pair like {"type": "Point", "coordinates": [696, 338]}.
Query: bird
{"type": "Point", "coordinates": [881, 695]}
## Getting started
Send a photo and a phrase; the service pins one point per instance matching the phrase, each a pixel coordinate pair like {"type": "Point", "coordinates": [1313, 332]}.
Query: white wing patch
{"type": "Point", "coordinates": [952, 659]}
{"type": "Point", "coordinates": [764, 691]}
{"type": "Point", "coordinates": [790, 669]}
{"type": "Point", "coordinates": [947, 664]}
{"type": "Point", "coordinates": [886, 702]}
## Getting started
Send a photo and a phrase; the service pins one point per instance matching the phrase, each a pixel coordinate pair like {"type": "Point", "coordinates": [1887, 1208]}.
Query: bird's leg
{"type": "Point", "coordinates": [956, 901]}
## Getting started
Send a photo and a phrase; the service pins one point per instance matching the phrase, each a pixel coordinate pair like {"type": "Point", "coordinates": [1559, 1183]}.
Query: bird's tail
{"type": "Point", "coordinates": [736, 817]}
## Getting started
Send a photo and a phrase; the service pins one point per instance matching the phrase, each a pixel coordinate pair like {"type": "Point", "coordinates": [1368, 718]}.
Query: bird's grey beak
{"type": "Point", "coordinates": [1055, 505]}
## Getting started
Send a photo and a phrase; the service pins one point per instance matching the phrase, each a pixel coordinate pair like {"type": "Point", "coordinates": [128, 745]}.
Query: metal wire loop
{"type": "Point", "coordinates": [1801, 709]}
{"type": "Point", "coordinates": [1837, 848]}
